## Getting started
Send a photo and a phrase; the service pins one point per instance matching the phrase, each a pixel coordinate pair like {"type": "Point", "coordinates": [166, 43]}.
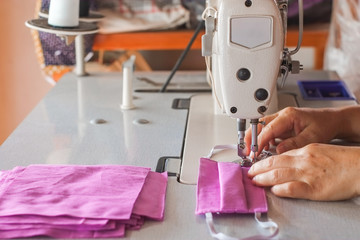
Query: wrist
{"type": "Point", "coordinates": [354, 169]}
{"type": "Point", "coordinates": [345, 123]}
{"type": "Point", "coordinates": [357, 183]}
{"type": "Point", "coordinates": [337, 118]}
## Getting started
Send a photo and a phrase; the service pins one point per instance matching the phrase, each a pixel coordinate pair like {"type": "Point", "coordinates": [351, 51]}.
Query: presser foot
{"type": "Point", "coordinates": [241, 150]}
{"type": "Point", "coordinates": [248, 162]}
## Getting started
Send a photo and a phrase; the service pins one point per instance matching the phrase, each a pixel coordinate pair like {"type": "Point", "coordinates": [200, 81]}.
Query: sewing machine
{"type": "Point", "coordinates": [247, 37]}
{"type": "Point", "coordinates": [81, 122]}
{"type": "Point", "coordinates": [244, 48]}
{"type": "Point", "coordinates": [245, 41]}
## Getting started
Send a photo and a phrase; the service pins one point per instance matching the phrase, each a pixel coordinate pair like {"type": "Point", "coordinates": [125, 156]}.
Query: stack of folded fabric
{"type": "Point", "coordinates": [79, 201]}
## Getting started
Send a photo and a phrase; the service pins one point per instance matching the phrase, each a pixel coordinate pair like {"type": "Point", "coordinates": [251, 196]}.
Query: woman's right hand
{"type": "Point", "coordinates": [296, 127]}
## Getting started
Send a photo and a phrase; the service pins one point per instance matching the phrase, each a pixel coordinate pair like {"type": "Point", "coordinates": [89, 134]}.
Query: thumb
{"type": "Point", "coordinates": [292, 143]}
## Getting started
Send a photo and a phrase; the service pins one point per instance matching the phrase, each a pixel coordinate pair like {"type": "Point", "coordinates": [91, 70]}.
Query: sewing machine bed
{"type": "Point", "coordinates": [80, 122]}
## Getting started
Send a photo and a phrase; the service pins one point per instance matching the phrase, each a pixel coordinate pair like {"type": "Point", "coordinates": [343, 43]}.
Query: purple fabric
{"type": "Point", "coordinates": [119, 231]}
{"type": "Point", "coordinates": [79, 201]}
{"type": "Point", "coordinates": [14, 226]}
{"type": "Point", "coordinates": [78, 191]}
{"type": "Point", "coordinates": [151, 200]}
{"type": "Point", "coordinates": [225, 188]}
{"type": "Point", "coordinates": [60, 220]}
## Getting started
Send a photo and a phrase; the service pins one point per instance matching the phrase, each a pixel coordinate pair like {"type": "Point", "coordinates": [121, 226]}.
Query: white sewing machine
{"type": "Point", "coordinates": [245, 45]}
{"type": "Point", "coordinates": [248, 56]}
{"type": "Point", "coordinates": [245, 41]}
{"type": "Point", "coordinates": [80, 122]}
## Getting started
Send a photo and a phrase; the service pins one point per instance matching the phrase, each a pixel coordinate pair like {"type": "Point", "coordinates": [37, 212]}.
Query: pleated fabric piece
{"type": "Point", "coordinates": [71, 201]}
{"type": "Point", "coordinates": [224, 187]}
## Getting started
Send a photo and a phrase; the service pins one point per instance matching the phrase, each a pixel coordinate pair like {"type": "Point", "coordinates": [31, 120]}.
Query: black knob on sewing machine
{"type": "Point", "coordinates": [243, 74]}
{"type": "Point", "coordinates": [261, 94]}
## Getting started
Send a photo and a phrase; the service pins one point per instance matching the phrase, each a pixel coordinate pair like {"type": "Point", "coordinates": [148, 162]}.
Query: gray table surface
{"type": "Point", "coordinates": [61, 130]}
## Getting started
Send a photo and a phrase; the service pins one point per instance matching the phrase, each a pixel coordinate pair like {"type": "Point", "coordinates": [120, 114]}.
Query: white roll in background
{"type": "Point", "coordinates": [64, 13]}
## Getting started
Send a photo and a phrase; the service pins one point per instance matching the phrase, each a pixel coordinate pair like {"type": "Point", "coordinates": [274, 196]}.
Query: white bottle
{"type": "Point", "coordinates": [64, 13]}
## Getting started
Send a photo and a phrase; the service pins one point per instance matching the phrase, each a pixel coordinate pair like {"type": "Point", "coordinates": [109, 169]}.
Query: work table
{"type": "Point", "coordinates": [80, 122]}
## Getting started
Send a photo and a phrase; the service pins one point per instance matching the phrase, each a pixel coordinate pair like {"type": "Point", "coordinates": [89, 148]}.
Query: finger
{"type": "Point", "coordinates": [273, 162]}
{"type": "Point", "coordinates": [299, 141]}
{"type": "Point", "coordinates": [248, 133]}
{"type": "Point", "coordinates": [286, 160]}
{"type": "Point", "coordinates": [294, 189]}
{"type": "Point", "coordinates": [276, 176]}
{"type": "Point", "coordinates": [276, 128]}
{"type": "Point", "coordinates": [267, 147]}
{"type": "Point", "coordinates": [248, 141]}
{"type": "Point", "coordinates": [248, 136]}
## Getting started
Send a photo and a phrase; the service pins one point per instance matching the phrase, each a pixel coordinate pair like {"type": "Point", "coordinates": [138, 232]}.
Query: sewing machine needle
{"type": "Point", "coordinates": [254, 143]}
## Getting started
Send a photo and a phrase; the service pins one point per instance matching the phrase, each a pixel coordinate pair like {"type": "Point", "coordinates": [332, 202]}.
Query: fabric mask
{"type": "Point", "coordinates": [224, 187]}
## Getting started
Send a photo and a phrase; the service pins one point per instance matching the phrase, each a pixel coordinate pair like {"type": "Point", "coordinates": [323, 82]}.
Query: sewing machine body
{"type": "Point", "coordinates": [248, 43]}
{"type": "Point", "coordinates": [244, 42]}
{"type": "Point", "coordinates": [62, 129]}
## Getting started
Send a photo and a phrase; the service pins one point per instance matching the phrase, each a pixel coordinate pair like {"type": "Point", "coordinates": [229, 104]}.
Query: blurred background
{"type": "Point", "coordinates": [27, 75]}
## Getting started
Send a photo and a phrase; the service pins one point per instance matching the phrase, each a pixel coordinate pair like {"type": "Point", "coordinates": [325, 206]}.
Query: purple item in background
{"type": "Point", "coordinates": [224, 187]}
{"type": "Point", "coordinates": [55, 50]}
{"type": "Point", "coordinates": [315, 11]}
{"type": "Point", "coordinates": [294, 7]}
{"type": "Point", "coordinates": [67, 201]}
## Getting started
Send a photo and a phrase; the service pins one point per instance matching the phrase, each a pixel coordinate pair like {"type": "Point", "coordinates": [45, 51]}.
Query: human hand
{"type": "Point", "coordinates": [297, 127]}
{"type": "Point", "coordinates": [316, 172]}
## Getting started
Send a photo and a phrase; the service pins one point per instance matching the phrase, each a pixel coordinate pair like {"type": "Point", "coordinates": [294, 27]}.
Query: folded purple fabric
{"type": "Point", "coordinates": [151, 200]}
{"type": "Point", "coordinates": [78, 191]}
{"type": "Point", "coordinates": [224, 187]}
{"type": "Point", "coordinates": [15, 226]}
{"type": "Point", "coordinates": [78, 201]}
{"type": "Point", "coordinates": [59, 220]}
{"type": "Point", "coordinates": [119, 231]}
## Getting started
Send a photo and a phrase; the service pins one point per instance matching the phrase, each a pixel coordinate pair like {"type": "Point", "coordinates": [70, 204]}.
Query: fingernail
{"type": "Point", "coordinates": [254, 180]}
